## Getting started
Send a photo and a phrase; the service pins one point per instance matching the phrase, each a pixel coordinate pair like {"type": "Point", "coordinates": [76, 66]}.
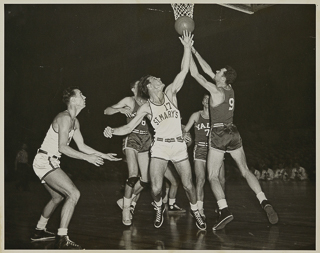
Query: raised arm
{"type": "Point", "coordinates": [176, 85]}
{"type": "Point", "coordinates": [211, 87]}
{"type": "Point", "coordinates": [193, 118]}
{"type": "Point", "coordinates": [204, 65]}
{"type": "Point", "coordinates": [126, 129]}
{"type": "Point", "coordinates": [124, 106]}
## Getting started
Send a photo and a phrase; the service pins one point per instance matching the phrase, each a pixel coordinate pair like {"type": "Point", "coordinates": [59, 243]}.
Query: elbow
{"type": "Point", "coordinates": [193, 73]}
{"type": "Point", "coordinates": [62, 149]}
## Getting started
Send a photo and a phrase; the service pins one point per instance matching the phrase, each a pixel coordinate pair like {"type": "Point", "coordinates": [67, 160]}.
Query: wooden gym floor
{"type": "Point", "coordinates": [96, 224]}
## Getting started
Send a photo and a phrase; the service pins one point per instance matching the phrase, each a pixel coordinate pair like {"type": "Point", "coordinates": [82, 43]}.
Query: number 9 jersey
{"type": "Point", "coordinates": [223, 113]}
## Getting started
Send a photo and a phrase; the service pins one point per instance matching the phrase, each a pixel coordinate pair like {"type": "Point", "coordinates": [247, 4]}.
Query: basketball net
{"type": "Point", "coordinates": [182, 10]}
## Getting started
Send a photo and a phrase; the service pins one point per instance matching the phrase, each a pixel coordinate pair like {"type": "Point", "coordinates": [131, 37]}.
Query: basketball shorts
{"type": "Point", "coordinates": [169, 151]}
{"type": "Point", "coordinates": [200, 152]}
{"type": "Point", "coordinates": [138, 142]}
{"type": "Point", "coordinates": [225, 138]}
{"type": "Point", "coordinates": [44, 165]}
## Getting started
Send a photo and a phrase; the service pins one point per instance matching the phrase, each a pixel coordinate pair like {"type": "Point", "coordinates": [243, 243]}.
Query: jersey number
{"type": "Point", "coordinates": [207, 131]}
{"type": "Point", "coordinates": [231, 103]}
{"type": "Point", "coordinates": [167, 104]}
{"type": "Point", "coordinates": [143, 122]}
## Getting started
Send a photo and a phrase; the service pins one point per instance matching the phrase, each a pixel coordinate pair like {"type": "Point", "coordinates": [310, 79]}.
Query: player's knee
{"type": "Point", "coordinates": [57, 199]}
{"type": "Point", "coordinates": [156, 190]}
{"type": "Point", "coordinates": [131, 181]}
{"type": "Point", "coordinates": [74, 195]}
{"type": "Point", "coordinates": [222, 181]}
{"type": "Point", "coordinates": [213, 177]}
{"type": "Point", "coordinates": [188, 186]}
{"type": "Point", "coordinates": [246, 173]}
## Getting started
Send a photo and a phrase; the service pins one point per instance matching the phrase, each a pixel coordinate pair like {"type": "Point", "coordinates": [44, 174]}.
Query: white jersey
{"type": "Point", "coordinates": [165, 119]}
{"type": "Point", "coordinates": [50, 142]}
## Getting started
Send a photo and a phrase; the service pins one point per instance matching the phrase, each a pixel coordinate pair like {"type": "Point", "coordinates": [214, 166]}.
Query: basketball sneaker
{"type": "Point", "coordinates": [63, 242]}
{"type": "Point", "coordinates": [159, 214]}
{"type": "Point", "coordinates": [199, 221]}
{"type": "Point", "coordinates": [224, 218]}
{"type": "Point", "coordinates": [126, 216]}
{"type": "Point", "coordinates": [203, 216]}
{"type": "Point", "coordinates": [42, 235]}
{"type": "Point", "coordinates": [120, 204]}
{"type": "Point", "coordinates": [271, 213]}
{"type": "Point", "coordinates": [176, 209]}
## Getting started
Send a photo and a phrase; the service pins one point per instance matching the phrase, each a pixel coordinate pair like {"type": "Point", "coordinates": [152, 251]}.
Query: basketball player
{"type": "Point", "coordinates": [201, 122]}
{"type": "Point", "coordinates": [136, 146]}
{"type": "Point", "coordinates": [224, 137]}
{"type": "Point", "coordinates": [168, 144]}
{"type": "Point", "coordinates": [46, 164]}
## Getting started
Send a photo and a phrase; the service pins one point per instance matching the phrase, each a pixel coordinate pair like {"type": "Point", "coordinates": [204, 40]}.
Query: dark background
{"type": "Point", "coordinates": [103, 47]}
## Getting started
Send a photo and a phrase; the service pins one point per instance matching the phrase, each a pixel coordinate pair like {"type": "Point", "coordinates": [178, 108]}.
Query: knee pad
{"type": "Point", "coordinates": [144, 184]}
{"type": "Point", "coordinates": [131, 181]}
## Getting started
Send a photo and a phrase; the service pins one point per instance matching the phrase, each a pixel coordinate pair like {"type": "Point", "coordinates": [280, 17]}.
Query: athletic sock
{"type": "Point", "coordinates": [200, 204]}
{"type": "Point", "coordinates": [193, 207]}
{"type": "Point", "coordinates": [172, 201]}
{"type": "Point", "coordinates": [42, 223]}
{"type": "Point", "coordinates": [222, 203]}
{"type": "Point", "coordinates": [126, 202]}
{"type": "Point", "coordinates": [62, 231]}
{"type": "Point", "coordinates": [261, 197]}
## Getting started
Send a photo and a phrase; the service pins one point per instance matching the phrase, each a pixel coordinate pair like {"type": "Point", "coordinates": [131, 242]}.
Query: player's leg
{"type": "Point", "coordinates": [184, 169]}
{"type": "Point", "coordinates": [60, 182]}
{"type": "Point", "coordinates": [222, 178]}
{"type": "Point", "coordinates": [214, 163]}
{"type": "Point", "coordinates": [173, 178]}
{"type": "Point", "coordinates": [200, 172]}
{"type": "Point", "coordinates": [133, 178]}
{"type": "Point", "coordinates": [239, 156]}
{"type": "Point", "coordinates": [41, 232]}
{"type": "Point", "coordinates": [167, 189]}
{"type": "Point", "coordinates": [214, 166]}
{"type": "Point", "coordinates": [143, 162]}
{"type": "Point", "coordinates": [157, 170]}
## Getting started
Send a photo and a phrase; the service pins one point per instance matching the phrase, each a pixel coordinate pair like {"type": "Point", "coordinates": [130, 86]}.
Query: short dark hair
{"type": "Point", "coordinates": [68, 93]}
{"type": "Point", "coordinates": [230, 74]}
{"type": "Point", "coordinates": [143, 89]}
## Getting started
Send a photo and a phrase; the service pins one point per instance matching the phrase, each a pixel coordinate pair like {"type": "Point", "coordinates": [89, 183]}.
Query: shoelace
{"type": "Point", "coordinates": [158, 209]}
{"type": "Point", "coordinates": [198, 217]}
{"type": "Point", "coordinates": [71, 242]}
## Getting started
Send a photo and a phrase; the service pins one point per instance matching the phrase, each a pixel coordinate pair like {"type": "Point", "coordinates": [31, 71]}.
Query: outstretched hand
{"type": "Point", "coordinates": [111, 157]}
{"type": "Point", "coordinates": [187, 39]}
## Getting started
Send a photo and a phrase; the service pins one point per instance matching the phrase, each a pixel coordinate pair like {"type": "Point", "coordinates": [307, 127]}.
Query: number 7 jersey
{"type": "Point", "coordinates": [223, 113]}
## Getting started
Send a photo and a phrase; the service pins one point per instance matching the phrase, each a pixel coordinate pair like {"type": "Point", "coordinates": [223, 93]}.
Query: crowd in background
{"type": "Point", "coordinates": [285, 161]}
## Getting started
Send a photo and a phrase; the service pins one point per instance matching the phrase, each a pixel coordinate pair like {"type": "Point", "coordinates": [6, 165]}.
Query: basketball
{"type": "Point", "coordinates": [184, 23]}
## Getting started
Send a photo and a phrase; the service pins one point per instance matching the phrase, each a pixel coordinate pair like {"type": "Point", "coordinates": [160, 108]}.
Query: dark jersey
{"type": "Point", "coordinates": [143, 126]}
{"type": "Point", "coordinates": [201, 130]}
{"type": "Point", "coordinates": [223, 113]}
